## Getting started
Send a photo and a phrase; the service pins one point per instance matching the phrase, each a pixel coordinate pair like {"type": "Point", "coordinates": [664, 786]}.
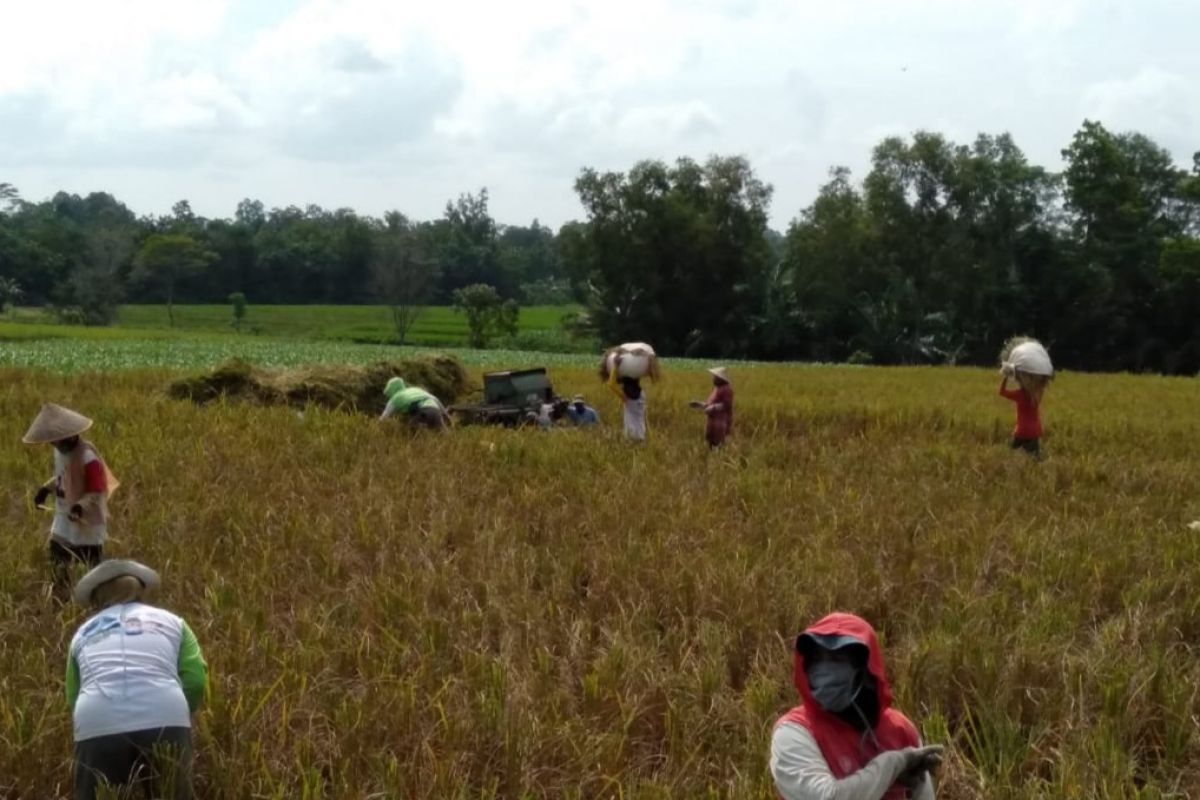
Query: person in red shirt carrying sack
{"type": "Point", "coordinates": [80, 486]}
{"type": "Point", "coordinates": [845, 741]}
{"type": "Point", "coordinates": [1027, 361]}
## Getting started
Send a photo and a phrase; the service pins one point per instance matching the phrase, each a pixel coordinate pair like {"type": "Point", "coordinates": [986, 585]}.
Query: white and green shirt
{"type": "Point", "coordinates": [134, 667]}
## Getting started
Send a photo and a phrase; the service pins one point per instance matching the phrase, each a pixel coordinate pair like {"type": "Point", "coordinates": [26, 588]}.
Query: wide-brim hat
{"type": "Point", "coordinates": [578, 399]}
{"type": "Point", "coordinates": [55, 423]}
{"type": "Point", "coordinates": [720, 372]}
{"type": "Point", "coordinates": [111, 570]}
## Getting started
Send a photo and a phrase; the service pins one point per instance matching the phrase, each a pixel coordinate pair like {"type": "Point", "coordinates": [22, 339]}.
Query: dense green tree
{"type": "Point", "coordinates": [165, 259]}
{"type": "Point", "coordinates": [488, 314]}
{"type": "Point", "coordinates": [404, 270]}
{"type": "Point", "coordinates": [675, 254]}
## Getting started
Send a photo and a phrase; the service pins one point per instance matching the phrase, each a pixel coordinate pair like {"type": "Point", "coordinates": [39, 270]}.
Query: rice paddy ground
{"type": "Point", "coordinates": [525, 614]}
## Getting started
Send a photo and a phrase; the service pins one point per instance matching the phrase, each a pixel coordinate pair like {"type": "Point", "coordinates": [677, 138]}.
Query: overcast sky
{"type": "Point", "coordinates": [381, 104]}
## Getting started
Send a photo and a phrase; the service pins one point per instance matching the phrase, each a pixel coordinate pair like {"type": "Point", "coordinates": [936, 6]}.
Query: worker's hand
{"type": "Point", "coordinates": [1007, 370]}
{"type": "Point", "coordinates": [43, 494]}
{"type": "Point", "coordinates": [696, 404]}
{"type": "Point", "coordinates": [920, 761]}
{"type": "Point", "coordinates": [76, 513]}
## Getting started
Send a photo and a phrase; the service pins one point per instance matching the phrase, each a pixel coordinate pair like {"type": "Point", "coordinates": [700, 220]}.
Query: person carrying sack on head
{"type": "Point", "coordinates": [845, 741]}
{"type": "Point", "coordinates": [718, 407]}
{"type": "Point", "coordinates": [633, 403]}
{"type": "Point", "coordinates": [135, 676]}
{"type": "Point", "coordinates": [417, 404]}
{"type": "Point", "coordinates": [81, 486]}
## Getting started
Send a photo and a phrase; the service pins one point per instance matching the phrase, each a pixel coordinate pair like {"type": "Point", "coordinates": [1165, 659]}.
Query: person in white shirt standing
{"type": "Point", "coordinates": [135, 675]}
{"type": "Point", "coordinates": [81, 486]}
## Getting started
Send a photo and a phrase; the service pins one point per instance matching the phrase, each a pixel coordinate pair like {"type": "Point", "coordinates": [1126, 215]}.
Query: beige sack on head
{"type": "Point", "coordinates": [637, 360]}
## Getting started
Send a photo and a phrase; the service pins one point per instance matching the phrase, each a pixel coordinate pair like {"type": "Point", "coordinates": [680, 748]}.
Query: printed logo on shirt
{"type": "Point", "coordinates": [99, 629]}
{"type": "Point", "coordinates": [133, 626]}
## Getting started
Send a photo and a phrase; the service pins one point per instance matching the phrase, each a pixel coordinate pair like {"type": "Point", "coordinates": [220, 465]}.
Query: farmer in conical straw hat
{"type": "Point", "coordinates": [718, 407]}
{"type": "Point", "coordinates": [81, 486]}
{"type": "Point", "coordinates": [135, 675]}
{"type": "Point", "coordinates": [418, 405]}
{"type": "Point", "coordinates": [846, 740]}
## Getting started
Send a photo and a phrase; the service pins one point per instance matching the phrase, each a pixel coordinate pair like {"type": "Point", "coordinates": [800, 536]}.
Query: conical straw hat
{"type": "Point", "coordinates": [54, 423]}
{"type": "Point", "coordinates": [720, 372]}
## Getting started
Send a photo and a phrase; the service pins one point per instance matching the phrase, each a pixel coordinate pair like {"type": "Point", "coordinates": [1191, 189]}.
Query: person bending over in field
{"type": "Point", "coordinates": [1027, 434]}
{"type": "Point", "coordinates": [80, 486]}
{"type": "Point", "coordinates": [135, 675]}
{"type": "Point", "coordinates": [416, 404]}
{"type": "Point", "coordinates": [845, 741]}
{"type": "Point", "coordinates": [718, 407]}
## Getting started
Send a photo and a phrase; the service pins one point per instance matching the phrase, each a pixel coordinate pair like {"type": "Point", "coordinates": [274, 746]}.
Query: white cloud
{"type": "Point", "coordinates": [1152, 100]}
{"type": "Point", "coordinates": [379, 104]}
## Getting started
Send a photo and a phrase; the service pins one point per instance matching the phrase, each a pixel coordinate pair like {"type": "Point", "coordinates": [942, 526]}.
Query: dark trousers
{"type": "Point", "coordinates": [64, 556]}
{"type": "Point", "coordinates": [1031, 446]}
{"type": "Point", "coordinates": [155, 763]}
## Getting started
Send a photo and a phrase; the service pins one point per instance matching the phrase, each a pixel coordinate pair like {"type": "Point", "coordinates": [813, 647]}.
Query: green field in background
{"type": "Point", "coordinates": [437, 325]}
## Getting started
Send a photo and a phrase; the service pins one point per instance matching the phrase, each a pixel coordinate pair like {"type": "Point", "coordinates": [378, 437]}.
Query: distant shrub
{"type": "Point", "coordinates": [860, 358]}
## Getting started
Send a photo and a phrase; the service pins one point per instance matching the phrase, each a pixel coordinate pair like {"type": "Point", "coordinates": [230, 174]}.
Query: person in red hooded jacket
{"type": "Point", "coordinates": [845, 741]}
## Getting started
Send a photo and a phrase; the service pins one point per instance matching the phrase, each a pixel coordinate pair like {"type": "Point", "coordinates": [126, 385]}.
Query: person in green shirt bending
{"type": "Point", "coordinates": [418, 405]}
{"type": "Point", "coordinates": [135, 675]}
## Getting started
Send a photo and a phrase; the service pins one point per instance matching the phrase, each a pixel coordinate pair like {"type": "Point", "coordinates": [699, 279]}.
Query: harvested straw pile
{"type": "Point", "coordinates": [346, 387]}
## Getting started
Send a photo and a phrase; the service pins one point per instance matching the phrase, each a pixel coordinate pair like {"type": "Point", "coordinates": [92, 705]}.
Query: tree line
{"type": "Point", "coordinates": [937, 255]}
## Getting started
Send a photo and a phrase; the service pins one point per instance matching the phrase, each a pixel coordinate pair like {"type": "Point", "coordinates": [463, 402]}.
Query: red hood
{"type": "Point", "coordinates": [842, 624]}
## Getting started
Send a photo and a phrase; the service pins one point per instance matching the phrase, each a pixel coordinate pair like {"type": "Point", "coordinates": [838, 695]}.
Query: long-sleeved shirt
{"type": "Point", "coordinates": [586, 417]}
{"type": "Point", "coordinates": [133, 667]}
{"type": "Point", "coordinates": [409, 400]}
{"type": "Point", "coordinates": [801, 773]}
{"type": "Point", "coordinates": [1029, 420]}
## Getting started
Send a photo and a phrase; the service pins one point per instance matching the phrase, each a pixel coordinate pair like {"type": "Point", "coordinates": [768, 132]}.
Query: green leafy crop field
{"type": "Point", "coordinates": [438, 325]}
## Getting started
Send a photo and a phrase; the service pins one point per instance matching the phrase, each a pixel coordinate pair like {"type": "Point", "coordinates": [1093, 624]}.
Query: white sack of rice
{"type": "Point", "coordinates": [1030, 357]}
{"type": "Point", "coordinates": [637, 360]}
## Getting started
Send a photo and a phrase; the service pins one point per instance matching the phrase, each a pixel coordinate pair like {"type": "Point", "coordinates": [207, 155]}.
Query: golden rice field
{"type": "Point", "coordinates": [517, 614]}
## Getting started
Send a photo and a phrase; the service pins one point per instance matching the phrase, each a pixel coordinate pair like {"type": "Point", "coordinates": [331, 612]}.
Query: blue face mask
{"type": "Point", "coordinates": [834, 684]}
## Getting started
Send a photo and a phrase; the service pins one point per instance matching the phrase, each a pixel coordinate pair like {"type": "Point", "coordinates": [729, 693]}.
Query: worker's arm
{"type": "Point", "coordinates": [612, 384]}
{"type": "Point", "coordinates": [801, 772]}
{"type": "Point", "coordinates": [1011, 394]}
{"type": "Point", "coordinates": [72, 682]}
{"type": "Point", "coordinates": [193, 671]}
{"type": "Point", "coordinates": [95, 484]}
{"type": "Point", "coordinates": [388, 410]}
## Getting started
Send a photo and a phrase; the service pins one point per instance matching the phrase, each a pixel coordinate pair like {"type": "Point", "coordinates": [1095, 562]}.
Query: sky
{"type": "Point", "coordinates": [397, 104]}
